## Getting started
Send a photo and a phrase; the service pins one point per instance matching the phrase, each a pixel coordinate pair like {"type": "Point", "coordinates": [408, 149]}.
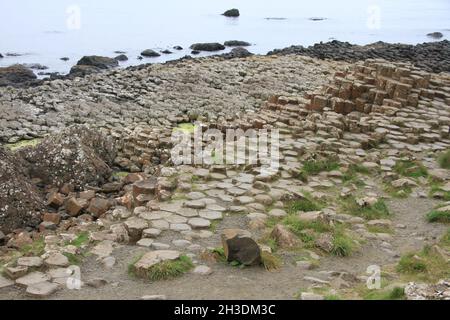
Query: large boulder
{"type": "Point", "coordinates": [149, 53]}
{"type": "Point", "coordinates": [238, 52]}
{"type": "Point", "coordinates": [233, 13]}
{"type": "Point", "coordinates": [20, 201]}
{"type": "Point", "coordinates": [237, 43]}
{"type": "Point", "coordinates": [211, 46]}
{"type": "Point", "coordinates": [78, 156]}
{"type": "Point", "coordinates": [16, 74]}
{"type": "Point", "coordinates": [82, 71]}
{"type": "Point", "coordinates": [98, 62]}
{"type": "Point", "coordinates": [239, 246]}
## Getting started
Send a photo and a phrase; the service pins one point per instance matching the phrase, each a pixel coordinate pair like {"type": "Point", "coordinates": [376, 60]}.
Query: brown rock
{"type": "Point", "coordinates": [284, 237]}
{"type": "Point", "coordinates": [146, 187]}
{"type": "Point", "coordinates": [87, 195]}
{"type": "Point", "coordinates": [55, 200]}
{"type": "Point", "coordinates": [74, 206]}
{"type": "Point", "coordinates": [98, 207]}
{"type": "Point", "coordinates": [51, 217]}
{"type": "Point", "coordinates": [239, 246]}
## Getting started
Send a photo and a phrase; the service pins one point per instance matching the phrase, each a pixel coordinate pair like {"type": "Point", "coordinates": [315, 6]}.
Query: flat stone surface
{"type": "Point", "coordinates": [42, 289]}
{"type": "Point", "coordinates": [211, 215]}
{"type": "Point", "coordinates": [32, 262]}
{"type": "Point", "coordinates": [180, 227]}
{"type": "Point", "coordinates": [4, 283]}
{"type": "Point", "coordinates": [277, 213]}
{"type": "Point", "coordinates": [199, 223]}
{"type": "Point", "coordinates": [176, 219]}
{"type": "Point", "coordinates": [195, 204]}
{"type": "Point", "coordinates": [181, 243]}
{"type": "Point", "coordinates": [154, 297]}
{"type": "Point", "coordinates": [202, 270]}
{"type": "Point", "coordinates": [153, 257]}
{"type": "Point", "coordinates": [160, 246]}
{"type": "Point", "coordinates": [151, 233]}
{"type": "Point", "coordinates": [57, 260]}
{"type": "Point", "coordinates": [103, 249]}
{"type": "Point", "coordinates": [146, 242]}
{"type": "Point", "coordinates": [160, 224]}
{"type": "Point", "coordinates": [32, 278]}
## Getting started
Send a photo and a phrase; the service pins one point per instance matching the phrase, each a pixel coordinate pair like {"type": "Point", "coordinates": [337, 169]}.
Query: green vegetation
{"type": "Point", "coordinates": [36, 248]}
{"type": "Point", "coordinates": [396, 293]}
{"type": "Point", "coordinates": [445, 241]}
{"type": "Point", "coordinates": [436, 189]}
{"type": "Point", "coordinates": [444, 160]}
{"type": "Point", "coordinates": [399, 193]}
{"type": "Point", "coordinates": [343, 245]}
{"type": "Point", "coordinates": [80, 240]}
{"type": "Point", "coordinates": [73, 258]}
{"type": "Point", "coordinates": [438, 216]}
{"type": "Point", "coordinates": [119, 175]}
{"type": "Point", "coordinates": [351, 175]}
{"type": "Point", "coordinates": [23, 144]}
{"type": "Point", "coordinates": [426, 265]}
{"type": "Point", "coordinates": [379, 229]}
{"type": "Point", "coordinates": [165, 270]}
{"type": "Point", "coordinates": [306, 204]}
{"type": "Point", "coordinates": [332, 297]}
{"type": "Point", "coordinates": [313, 167]}
{"type": "Point", "coordinates": [185, 128]}
{"type": "Point", "coordinates": [270, 261]}
{"type": "Point", "coordinates": [305, 230]}
{"type": "Point", "coordinates": [410, 169]}
{"type": "Point", "coordinates": [376, 211]}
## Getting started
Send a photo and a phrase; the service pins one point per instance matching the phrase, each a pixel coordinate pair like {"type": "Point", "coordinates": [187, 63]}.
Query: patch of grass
{"type": "Point", "coordinates": [80, 240]}
{"type": "Point", "coordinates": [399, 193]}
{"type": "Point", "coordinates": [343, 245]}
{"type": "Point", "coordinates": [167, 269]}
{"type": "Point", "coordinates": [23, 144]}
{"type": "Point", "coordinates": [411, 169]}
{"type": "Point", "coordinates": [351, 175]}
{"type": "Point", "coordinates": [313, 167]}
{"type": "Point", "coordinates": [436, 189]}
{"type": "Point", "coordinates": [332, 297]}
{"type": "Point", "coordinates": [185, 127]}
{"type": "Point", "coordinates": [73, 258]}
{"type": "Point", "coordinates": [270, 261]}
{"type": "Point", "coordinates": [396, 293]}
{"type": "Point", "coordinates": [426, 265]}
{"type": "Point", "coordinates": [297, 226]}
{"type": "Point", "coordinates": [120, 174]}
{"type": "Point", "coordinates": [438, 216]}
{"type": "Point", "coordinates": [131, 270]}
{"type": "Point", "coordinates": [213, 226]}
{"type": "Point", "coordinates": [444, 160]}
{"type": "Point", "coordinates": [379, 229]}
{"type": "Point", "coordinates": [36, 248]}
{"type": "Point", "coordinates": [445, 241]}
{"type": "Point", "coordinates": [376, 211]}
{"type": "Point", "coordinates": [302, 205]}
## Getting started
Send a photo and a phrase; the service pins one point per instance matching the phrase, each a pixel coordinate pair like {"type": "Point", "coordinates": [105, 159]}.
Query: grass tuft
{"type": "Point", "coordinates": [444, 160]}
{"type": "Point", "coordinates": [313, 167]}
{"type": "Point", "coordinates": [343, 245]}
{"type": "Point", "coordinates": [438, 216]}
{"type": "Point", "coordinates": [270, 261]}
{"type": "Point", "coordinates": [410, 169]}
{"type": "Point", "coordinates": [376, 211]}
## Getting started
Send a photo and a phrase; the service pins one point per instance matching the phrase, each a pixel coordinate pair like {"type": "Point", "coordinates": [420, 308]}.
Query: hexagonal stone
{"type": "Point", "coordinates": [103, 249]}
{"type": "Point", "coordinates": [57, 259]}
{"type": "Point", "coordinates": [224, 185]}
{"type": "Point", "coordinates": [277, 213]}
{"type": "Point", "coordinates": [235, 191]}
{"type": "Point", "coordinates": [151, 233]}
{"type": "Point", "coordinates": [199, 223]}
{"type": "Point", "coordinates": [238, 209]}
{"type": "Point", "coordinates": [180, 227]}
{"type": "Point", "coordinates": [5, 282]}
{"type": "Point", "coordinates": [155, 215]}
{"type": "Point", "coordinates": [32, 262]}
{"type": "Point", "coordinates": [32, 278]}
{"type": "Point", "coordinates": [195, 204]}
{"type": "Point", "coordinates": [145, 242]}
{"type": "Point", "coordinates": [195, 195]}
{"type": "Point", "coordinates": [181, 243]}
{"type": "Point", "coordinates": [211, 215]}
{"type": "Point", "coordinates": [160, 246]}
{"type": "Point", "coordinates": [16, 272]}
{"type": "Point", "coordinates": [215, 207]}
{"type": "Point", "coordinates": [243, 200]}
{"type": "Point", "coordinates": [160, 224]}
{"type": "Point", "coordinates": [135, 226]}
{"type": "Point", "coordinates": [188, 212]}
{"type": "Point", "coordinates": [176, 219]}
{"type": "Point", "coordinates": [264, 199]}
{"type": "Point", "coordinates": [42, 289]}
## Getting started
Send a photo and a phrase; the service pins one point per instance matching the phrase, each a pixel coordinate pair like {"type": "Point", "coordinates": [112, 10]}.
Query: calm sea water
{"type": "Point", "coordinates": [46, 30]}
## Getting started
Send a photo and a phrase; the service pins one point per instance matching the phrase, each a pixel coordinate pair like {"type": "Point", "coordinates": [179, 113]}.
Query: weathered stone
{"type": "Point", "coordinates": [57, 260]}
{"type": "Point", "coordinates": [135, 226]}
{"type": "Point", "coordinates": [31, 262]}
{"type": "Point", "coordinates": [239, 246]}
{"type": "Point", "coordinates": [283, 237]}
{"type": "Point", "coordinates": [32, 278]}
{"type": "Point", "coordinates": [42, 289]}
{"type": "Point", "coordinates": [199, 223]}
{"type": "Point", "coordinates": [152, 258]}
{"type": "Point", "coordinates": [98, 207]}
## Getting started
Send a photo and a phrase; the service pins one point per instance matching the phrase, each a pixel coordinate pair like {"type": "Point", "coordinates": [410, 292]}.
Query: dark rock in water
{"type": "Point", "coordinates": [121, 57]}
{"type": "Point", "coordinates": [238, 52]}
{"type": "Point", "coordinates": [64, 59]}
{"type": "Point", "coordinates": [119, 52]}
{"type": "Point", "coordinates": [77, 156]}
{"type": "Point", "coordinates": [317, 19]}
{"type": "Point", "coordinates": [178, 48]}
{"type": "Point", "coordinates": [435, 35]}
{"type": "Point", "coordinates": [239, 246]}
{"type": "Point", "coordinates": [140, 58]}
{"type": "Point", "coordinates": [20, 201]}
{"type": "Point", "coordinates": [236, 43]}
{"type": "Point", "coordinates": [195, 52]}
{"type": "Point", "coordinates": [98, 62]}
{"type": "Point", "coordinates": [13, 54]}
{"type": "Point", "coordinates": [232, 13]}
{"type": "Point", "coordinates": [81, 71]}
{"type": "Point", "coordinates": [213, 46]}
{"type": "Point", "coordinates": [166, 51]}
{"type": "Point", "coordinates": [1, 56]}
{"type": "Point", "coordinates": [430, 56]}
{"type": "Point", "coordinates": [150, 53]}
{"type": "Point", "coordinates": [15, 74]}
{"type": "Point", "coordinates": [35, 66]}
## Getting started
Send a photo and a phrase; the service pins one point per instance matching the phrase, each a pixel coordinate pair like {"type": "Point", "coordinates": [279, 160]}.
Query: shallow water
{"type": "Point", "coordinates": [46, 30]}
